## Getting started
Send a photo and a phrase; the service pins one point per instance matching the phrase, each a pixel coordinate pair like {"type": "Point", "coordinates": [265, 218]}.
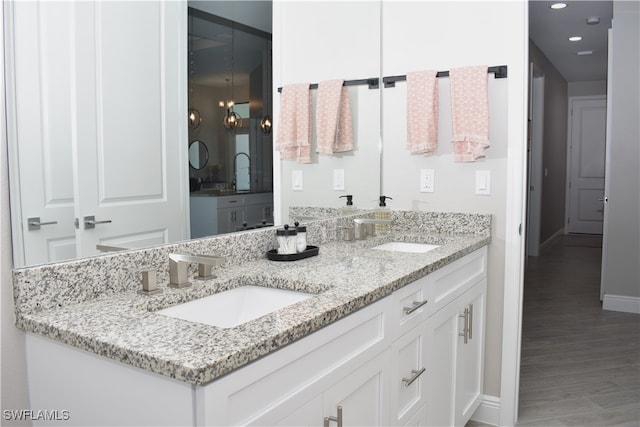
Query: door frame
{"type": "Point", "coordinates": [567, 197]}
{"type": "Point", "coordinates": [534, 198]}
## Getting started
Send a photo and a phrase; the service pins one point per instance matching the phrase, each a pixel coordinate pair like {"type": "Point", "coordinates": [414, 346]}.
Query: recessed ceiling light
{"type": "Point", "coordinates": [557, 6]}
{"type": "Point", "coordinates": [585, 52]}
{"type": "Point", "coordinates": [575, 38]}
{"type": "Point", "coordinates": [593, 20]}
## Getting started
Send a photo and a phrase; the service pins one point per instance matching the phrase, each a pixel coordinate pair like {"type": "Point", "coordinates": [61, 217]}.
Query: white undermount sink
{"type": "Point", "coordinates": [236, 306]}
{"type": "Point", "coordinates": [416, 248]}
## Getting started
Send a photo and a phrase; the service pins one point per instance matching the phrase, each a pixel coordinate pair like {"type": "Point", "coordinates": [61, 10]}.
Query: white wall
{"type": "Point", "coordinates": [443, 35]}
{"type": "Point", "coordinates": [622, 232]}
{"type": "Point", "coordinates": [13, 377]}
{"type": "Point", "coordinates": [598, 87]}
{"type": "Point", "coordinates": [438, 35]}
{"type": "Point", "coordinates": [313, 42]}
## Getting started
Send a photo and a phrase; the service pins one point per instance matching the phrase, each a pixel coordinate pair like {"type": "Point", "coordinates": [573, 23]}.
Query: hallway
{"type": "Point", "coordinates": [580, 365]}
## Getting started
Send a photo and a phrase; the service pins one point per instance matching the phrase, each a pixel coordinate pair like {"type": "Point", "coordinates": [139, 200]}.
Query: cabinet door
{"type": "Point", "coordinates": [363, 395]}
{"type": "Point", "coordinates": [408, 375]}
{"type": "Point", "coordinates": [470, 360]}
{"type": "Point", "coordinates": [443, 328]}
{"type": "Point", "coordinates": [229, 219]}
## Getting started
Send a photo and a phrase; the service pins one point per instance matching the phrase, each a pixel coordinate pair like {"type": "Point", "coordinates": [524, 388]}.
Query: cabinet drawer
{"type": "Point", "coordinates": [453, 280]}
{"type": "Point", "coordinates": [409, 375]}
{"type": "Point", "coordinates": [411, 305]}
{"type": "Point", "coordinates": [230, 201]}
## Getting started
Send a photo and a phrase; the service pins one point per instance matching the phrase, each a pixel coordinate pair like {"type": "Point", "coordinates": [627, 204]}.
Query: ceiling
{"type": "Point", "coordinates": [550, 30]}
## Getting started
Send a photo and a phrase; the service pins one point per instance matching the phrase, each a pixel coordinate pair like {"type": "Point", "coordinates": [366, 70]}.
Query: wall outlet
{"type": "Point", "coordinates": [426, 180]}
{"type": "Point", "coordinates": [296, 180]}
{"type": "Point", "coordinates": [483, 182]}
{"type": "Point", "coordinates": [338, 179]}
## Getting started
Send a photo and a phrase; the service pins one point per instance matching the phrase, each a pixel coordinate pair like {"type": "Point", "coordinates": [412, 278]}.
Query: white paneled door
{"type": "Point", "coordinates": [588, 121]}
{"type": "Point", "coordinates": [95, 102]}
{"type": "Point", "coordinates": [39, 117]}
{"type": "Point", "coordinates": [128, 125]}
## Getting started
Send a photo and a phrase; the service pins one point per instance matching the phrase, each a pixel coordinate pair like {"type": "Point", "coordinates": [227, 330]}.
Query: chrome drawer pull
{"type": "Point", "coordinates": [416, 374]}
{"type": "Point", "coordinates": [337, 419]}
{"type": "Point", "coordinates": [470, 321]}
{"type": "Point", "coordinates": [416, 305]}
{"type": "Point", "coordinates": [465, 329]}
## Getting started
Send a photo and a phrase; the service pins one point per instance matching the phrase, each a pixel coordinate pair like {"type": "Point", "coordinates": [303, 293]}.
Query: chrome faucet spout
{"type": "Point", "coordinates": [360, 226]}
{"type": "Point", "coordinates": [179, 264]}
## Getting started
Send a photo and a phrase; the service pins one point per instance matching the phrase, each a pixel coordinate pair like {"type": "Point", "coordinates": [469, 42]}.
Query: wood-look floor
{"type": "Point", "coordinates": [580, 365]}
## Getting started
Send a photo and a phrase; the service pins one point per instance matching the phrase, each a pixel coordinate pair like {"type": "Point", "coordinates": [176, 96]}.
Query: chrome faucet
{"type": "Point", "coordinates": [179, 263]}
{"type": "Point", "coordinates": [360, 225]}
{"type": "Point", "coordinates": [235, 168]}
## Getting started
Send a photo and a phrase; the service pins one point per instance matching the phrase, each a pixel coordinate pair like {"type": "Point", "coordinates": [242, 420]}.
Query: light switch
{"type": "Point", "coordinates": [296, 180]}
{"type": "Point", "coordinates": [426, 180]}
{"type": "Point", "coordinates": [338, 179]}
{"type": "Point", "coordinates": [483, 182]}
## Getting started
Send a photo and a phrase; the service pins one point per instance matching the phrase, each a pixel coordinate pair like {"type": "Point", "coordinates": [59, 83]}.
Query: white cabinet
{"type": "Point", "coordinates": [212, 215]}
{"type": "Point", "coordinates": [456, 335]}
{"type": "Point", "coordinates": [440, 307]}
{"type": "Point", "coordinates": [403, 360]}
{"type": "Point", "coordinates": [345, 364]}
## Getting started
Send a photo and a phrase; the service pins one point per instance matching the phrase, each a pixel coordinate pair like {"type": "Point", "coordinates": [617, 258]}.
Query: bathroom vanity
{"type": "Point", "coordinates": [213, 213]}
{"type": "Point", "coordinates": [385, 338]}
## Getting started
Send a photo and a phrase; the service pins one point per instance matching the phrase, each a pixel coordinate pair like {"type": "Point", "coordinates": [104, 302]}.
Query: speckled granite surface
{"type": "Point", "coordinates": [92, 304]}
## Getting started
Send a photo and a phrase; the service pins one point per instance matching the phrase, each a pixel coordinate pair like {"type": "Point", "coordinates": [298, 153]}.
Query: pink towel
{"type": "Point", "coordinates": [422, 112]}
{"type": "Point", "coordinates": [469, 112]}
{"type": "Point", "coordinates": [294, 127]}
{"type": "Point", "coordinates": [334, 128]}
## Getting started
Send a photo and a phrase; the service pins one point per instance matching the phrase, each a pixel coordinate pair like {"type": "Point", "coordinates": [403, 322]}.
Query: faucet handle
{"type": "Point", "coordinates": [206, 264]}
{"type": "Point", "coordinates": [149, 282]}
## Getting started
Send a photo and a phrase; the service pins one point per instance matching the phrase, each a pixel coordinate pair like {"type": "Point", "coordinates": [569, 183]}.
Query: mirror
{"type": "Point", "coordinates": [221, 156]}
{"type": "Point", "coordinates": [198, 154]}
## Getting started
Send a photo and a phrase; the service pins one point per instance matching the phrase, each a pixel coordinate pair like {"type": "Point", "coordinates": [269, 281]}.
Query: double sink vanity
{"type": "Point", "coordinates": [388, 330]}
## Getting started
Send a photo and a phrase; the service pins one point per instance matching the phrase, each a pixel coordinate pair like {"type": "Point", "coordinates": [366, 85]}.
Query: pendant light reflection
{"type": "Point", "coordinates": [232, 120]}
{"type": "Point", "coordinates": [266, 124]}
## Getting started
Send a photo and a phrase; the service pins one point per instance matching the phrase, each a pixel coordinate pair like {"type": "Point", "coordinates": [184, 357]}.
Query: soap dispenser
{"type": "Point", "coordinates": [349, 208]}
{"type": "Point", "coordinates": [383, 212]}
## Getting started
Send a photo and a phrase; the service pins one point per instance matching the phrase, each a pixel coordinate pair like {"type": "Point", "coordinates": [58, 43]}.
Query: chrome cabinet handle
{"type": "Point", "coordinates": [470, 327]}
{"type": "Point", "coordinates": [35, 224]}
{"type": "Point", "coordinates": [337, 419]}
{"type": "Point", "coordinates": [465, 329]}
{"type": "Point", "coordinates": [90, 222]}
{"type": "Point", "coordinates": [416, 373]}
{"type": "Point", "coordinates": [416, 305]}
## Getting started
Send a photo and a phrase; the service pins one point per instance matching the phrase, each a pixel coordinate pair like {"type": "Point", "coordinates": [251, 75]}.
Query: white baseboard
{"type": "Point", "coordinates": [551, 239]}
{"type": "Point", "coordinates": [489, 411]}
{"type": "Point", "coordinates": [621, 303]}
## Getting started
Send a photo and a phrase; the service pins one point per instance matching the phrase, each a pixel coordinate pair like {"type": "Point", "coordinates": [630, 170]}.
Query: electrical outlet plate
{"type": "Point", "coordinates": [338, 179]}
{"type": "Point", "coordinates": [426, 180]}
{"type": "Point", "coordinates": [483, 182]}
{"type": "Point", "coordinates": [296, 180]}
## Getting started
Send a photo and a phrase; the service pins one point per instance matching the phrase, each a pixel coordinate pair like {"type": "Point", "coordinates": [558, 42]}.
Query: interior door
{"type": "Point", "coordinates": [130, 144]}
{"type": "Point", "coordinates": [587, 164]}
{"type": "Point", "coordinates": [39, 101]}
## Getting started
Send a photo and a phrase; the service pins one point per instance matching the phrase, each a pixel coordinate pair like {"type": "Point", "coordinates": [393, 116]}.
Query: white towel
{"type": "Point", "coordinates": [294, 128]}
{"type": "Point", "coordinates": [334, 127]}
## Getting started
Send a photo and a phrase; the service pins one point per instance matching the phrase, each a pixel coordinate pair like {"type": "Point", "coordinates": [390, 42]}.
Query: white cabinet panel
{"type": "Point", "coordinates": [470, 357]}
{"type": "Point", "coordinates": [409, 376]}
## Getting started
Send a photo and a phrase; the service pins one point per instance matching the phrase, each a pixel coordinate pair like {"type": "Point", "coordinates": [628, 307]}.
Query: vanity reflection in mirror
{"type": "Point", "coordinates": [123, 174]}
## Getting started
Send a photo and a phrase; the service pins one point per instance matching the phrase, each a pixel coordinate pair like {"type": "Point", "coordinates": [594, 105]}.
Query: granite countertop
{"type": "Point", "coordinates": [344, 277]}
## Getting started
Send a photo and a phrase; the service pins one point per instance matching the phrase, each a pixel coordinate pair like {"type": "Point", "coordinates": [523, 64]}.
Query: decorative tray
{"type": "Point", "coordinates": [273, 254]}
